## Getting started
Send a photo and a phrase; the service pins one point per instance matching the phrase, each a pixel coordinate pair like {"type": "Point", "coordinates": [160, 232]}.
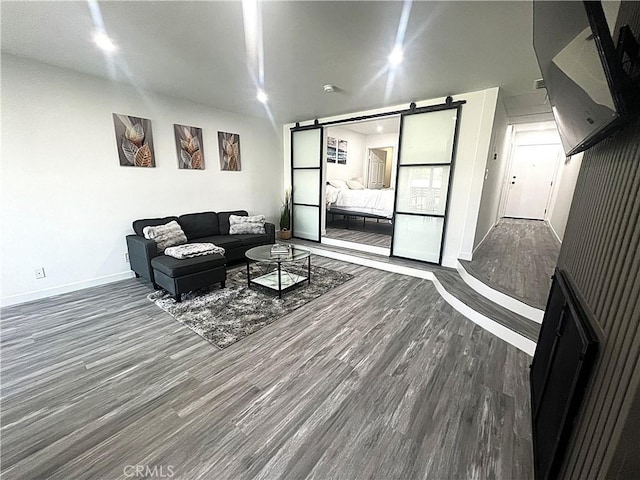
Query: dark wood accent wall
{"type": "Point", "coordinates": [601, 254]}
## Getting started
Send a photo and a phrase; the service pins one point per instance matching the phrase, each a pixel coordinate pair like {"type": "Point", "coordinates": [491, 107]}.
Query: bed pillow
{"type": "Point", "coordinates": [355, 185]}
{"type": "Point", "coordinates": [244, 224]}
{"type": "Point", "coordinates": [165, 235]}
{"type": "Point", "coordinates": [338, 183]}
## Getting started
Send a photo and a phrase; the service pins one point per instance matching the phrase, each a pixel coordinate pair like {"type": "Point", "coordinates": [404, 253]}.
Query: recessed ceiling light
{"type": "Point", "coordinates": [328, 88]}
{"type": "Point", "coordinates": [104, 42]}
{"type": "Point", "coordinates": [396, 56]}
{"type": "Point", "coordinates": [262, 97]}
{"type": "Point", "coordinates": [379, 128]}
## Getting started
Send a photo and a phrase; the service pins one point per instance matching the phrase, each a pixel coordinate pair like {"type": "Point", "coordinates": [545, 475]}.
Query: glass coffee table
{"type": "Point", "coordinates": [279, 272]}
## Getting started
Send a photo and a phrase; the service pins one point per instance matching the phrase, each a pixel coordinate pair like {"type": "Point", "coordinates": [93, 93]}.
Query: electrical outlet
{"type": "Point", "coordinates": [126, 257]}
{"type": "Point", "coordinates": [39, 272]}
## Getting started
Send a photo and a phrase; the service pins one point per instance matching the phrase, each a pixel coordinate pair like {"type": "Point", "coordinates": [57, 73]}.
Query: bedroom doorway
{"type": "Point", "coordinates": [411, 215]}
{"type": "Point", "coordinates": [360, 164]}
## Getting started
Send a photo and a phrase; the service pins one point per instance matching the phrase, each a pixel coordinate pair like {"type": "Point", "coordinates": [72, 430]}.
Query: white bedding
{"type": "Point", "coordinates": [376, 202]}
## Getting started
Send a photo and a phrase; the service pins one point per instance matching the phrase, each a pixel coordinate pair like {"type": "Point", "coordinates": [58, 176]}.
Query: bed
{"type": "Point", "coordinates": [365, 203]}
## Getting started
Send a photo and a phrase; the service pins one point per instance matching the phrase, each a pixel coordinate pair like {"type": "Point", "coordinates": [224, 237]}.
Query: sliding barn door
{"type": "Point", "coordinates": [425, 172]}
{"type": "Point", "coordinates": [306, 181]}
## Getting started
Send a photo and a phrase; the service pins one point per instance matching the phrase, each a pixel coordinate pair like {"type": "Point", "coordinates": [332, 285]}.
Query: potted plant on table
{"type": "Point", "coordinates": [285, 217]}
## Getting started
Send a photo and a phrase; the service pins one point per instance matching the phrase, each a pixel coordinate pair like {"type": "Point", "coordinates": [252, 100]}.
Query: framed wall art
{"type": "Point", "coordinates": [229, 148]}
{"type": "Point", "coordinates": [342, 152]}
{"type": "Point", "coordinates": [332, 150]}
{"type": "Point", "coordinates": [189, 147]}
{"type": "Point", "coordinates": [134, 140]}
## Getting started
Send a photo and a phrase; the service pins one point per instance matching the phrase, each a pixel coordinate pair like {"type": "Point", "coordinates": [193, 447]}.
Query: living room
{"type": "Point", "coordinates": [367, 380]}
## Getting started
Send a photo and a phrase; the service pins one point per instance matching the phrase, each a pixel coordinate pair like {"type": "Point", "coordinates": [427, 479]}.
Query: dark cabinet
{"type": "Point", "coordinates": [562, 364]}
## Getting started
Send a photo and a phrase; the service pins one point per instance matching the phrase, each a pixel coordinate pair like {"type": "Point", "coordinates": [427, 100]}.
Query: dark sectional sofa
{"type": "Point", "coordinates": [210, 227]}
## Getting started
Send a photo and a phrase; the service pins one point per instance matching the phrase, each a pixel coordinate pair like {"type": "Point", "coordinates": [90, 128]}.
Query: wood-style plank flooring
{"type": "Point", "coordinates": [364, 231]}
{"type": "Point", "coordinates": [379, 378]}
{"type": "Point", "coordinates": [517, 258]}
{"type": "Point", "coordinates": [457, 287]}
{"type": "Point", "coordinates": [451, 281]}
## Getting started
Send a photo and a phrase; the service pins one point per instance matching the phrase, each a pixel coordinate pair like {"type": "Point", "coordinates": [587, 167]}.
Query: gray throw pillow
{"type": "Point", "coordinates": [165, 235]}
{"type": "Point", "coordinates": [244, 224]}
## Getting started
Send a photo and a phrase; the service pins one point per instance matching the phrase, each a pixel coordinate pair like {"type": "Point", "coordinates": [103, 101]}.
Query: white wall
{"type": "Point", "coordinates": [494, 174]}
{"type": "Point", "coordinates": [473, 146]}
{"type": "Point", "coordinates": [565, 187]}
{"type": "Point", "coordinates": [475, 129]}
{"type": "Point", "coordinates": [67, 204]}
{"type": "Point", "coordinates": [356, 155]}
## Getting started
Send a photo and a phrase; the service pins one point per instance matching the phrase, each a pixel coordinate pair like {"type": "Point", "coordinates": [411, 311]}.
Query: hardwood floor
{"type": "Point", "coordinates": [365, 231]}
{"type": "Point", "coordinates": [379, 378]}
{"type": "Point", "coordinates": [453, 284]}
{"type": "Point", "coordinates": [517, 258]}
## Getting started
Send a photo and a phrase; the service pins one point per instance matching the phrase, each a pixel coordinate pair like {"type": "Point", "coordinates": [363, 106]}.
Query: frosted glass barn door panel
{"type": "Point", "coordinates": [306, 221]}
{"type": "Point", "coordinates": [418, 237]}
{"type": "Point", "coordinates": [306, 186]}
{"type": "Point", "coordinates": [428, 137]}
{"type": "Point", "coordinates": [306, 148]}
{"type": "Point", "coordinates": [306, 180]}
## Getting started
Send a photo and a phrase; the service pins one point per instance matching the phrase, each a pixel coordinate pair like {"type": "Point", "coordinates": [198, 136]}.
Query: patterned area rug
{"type": "Point", "coordinates": [224, 316]}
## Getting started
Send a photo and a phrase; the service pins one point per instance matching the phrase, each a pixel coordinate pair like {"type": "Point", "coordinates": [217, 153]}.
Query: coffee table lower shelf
{"type": "Point", "coordinates": [287, 281]}
{"type": "Point", "coordinates": [277, 272]}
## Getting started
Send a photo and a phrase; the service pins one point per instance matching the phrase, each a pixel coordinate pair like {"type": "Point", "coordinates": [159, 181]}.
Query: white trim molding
{"type": "Point", "coordinates": [357, 246]}
{"type": "Point", "coordinates": [510, 303]}
{"type": "Point", "coordinates": [493, 327]}
{"type": "Point", "coordinates": [61, 289]}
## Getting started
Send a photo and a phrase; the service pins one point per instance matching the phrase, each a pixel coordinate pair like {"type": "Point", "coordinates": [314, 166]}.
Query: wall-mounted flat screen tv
{"type": "Point", "coordinates": [589, 92]}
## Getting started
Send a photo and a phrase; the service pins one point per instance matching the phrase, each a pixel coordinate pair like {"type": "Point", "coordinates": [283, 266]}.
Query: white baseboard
{"type": "Point", "coordinates": [483, 239]}
{"type": "Point", "coordinates": [553, 230]}
{"type": "Point", "coordinates": [500, 331]}
{"type": "Point", "coordinates": [366, 262]}
{"type": "Point", "coordinates": [500, 298]}
{"type": "Point", "coordinates": [69, 287]}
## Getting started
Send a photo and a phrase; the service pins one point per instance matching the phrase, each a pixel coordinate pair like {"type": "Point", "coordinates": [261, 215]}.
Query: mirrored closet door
{"type": "Point", "coordinates": [425, 171]}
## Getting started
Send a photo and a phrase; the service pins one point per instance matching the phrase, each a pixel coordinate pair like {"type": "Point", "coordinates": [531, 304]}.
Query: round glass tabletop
{"type": "Point", "coordinates": [263, 254]}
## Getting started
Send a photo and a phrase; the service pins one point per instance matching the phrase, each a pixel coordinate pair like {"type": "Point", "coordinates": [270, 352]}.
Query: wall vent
{"type": "Point", "coordinates": [538, 84]}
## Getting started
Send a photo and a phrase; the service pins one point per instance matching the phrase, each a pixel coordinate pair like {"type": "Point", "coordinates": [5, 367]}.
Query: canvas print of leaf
{"type": "Point", "coordinates": [229, 148]}
{"type": "Point", "coordinates": [189, 147]}
{"type": "Point", "coordinates": [134, 141]}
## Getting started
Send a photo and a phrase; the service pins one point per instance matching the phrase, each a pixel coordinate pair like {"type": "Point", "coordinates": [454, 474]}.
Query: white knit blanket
{"type": "Point", "coordinates": [190, 250]}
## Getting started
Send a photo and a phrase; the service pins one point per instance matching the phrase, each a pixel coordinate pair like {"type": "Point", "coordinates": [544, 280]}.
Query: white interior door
{"type": "Point", "coordinates": [377, 166]}
{"type": "Point", "coordinates": [529, 183]}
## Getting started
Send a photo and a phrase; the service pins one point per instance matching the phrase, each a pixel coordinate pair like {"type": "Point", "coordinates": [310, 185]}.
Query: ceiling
{"type": "Point", "coordinates": [196, 50]}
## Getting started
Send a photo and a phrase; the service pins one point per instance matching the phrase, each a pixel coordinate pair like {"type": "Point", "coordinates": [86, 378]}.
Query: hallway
{"type": "Point", "coordinates": [517, 258]}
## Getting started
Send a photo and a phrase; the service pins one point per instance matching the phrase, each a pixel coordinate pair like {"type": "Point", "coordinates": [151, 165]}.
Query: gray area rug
{"type": "Point", "coordinates": [224, 316]}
